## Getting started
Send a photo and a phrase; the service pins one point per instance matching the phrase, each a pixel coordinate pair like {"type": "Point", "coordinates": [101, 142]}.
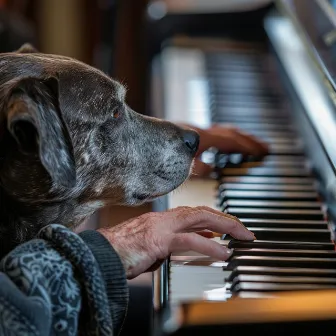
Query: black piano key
{"type": "Point", "coordinates": [285, 223]}
{"type": "Point", "coordinates": [268, 180]}
{"type": "Point", "coordinates": [266, 187]}
{"type": "Point", "coordinates": [276, 149]}
{"type": "Point", "coordinates": [218, 77]}
{"type": "Point", "coordinates": [268, 195]}
{"type": "Point", "coordinates": [275, 213]}
{"type": "Point", "coordinates": [269, 244]}
{"type": "Point", "coordinates": [215, 67]}
{"type": "Point", "coordinates": [285, 148]}
{"type": "Point", "coordinates": [247, 163]}
{"type": "Point", "coordinates": [283, 253]}
{"type": "Point", "coordinates": [216, 71]}
{"type": "Point", "coordinates": [242, 82]}
{"type": "Point", "coordinates": [245, 82]}
{"type": "Point", "coordinates": [257, 125]}
{"type": "Point", "coordinates": [266, 172]}
{"type": "Point", "coordinates": [313, 235]}
{"type": "Point", "coordinates": [250, 111]}
{"type": "Point", "coordinates": [278, 159]}
{"type": "Point", "coordinates": [283, 272]}
{"type": "Point", "coordinates": [224, 102]}
{"type": "Point", "coordinates": [282, 279]}
{"type": "Point", "coordinates": [236, 98]}
{"type": "Point", "coordinates": [230, 58]}
{"type": "Point", "coordinates": [270, 161]}
{"type": "Point", "coordinates": [270, 129]}
{"type": "Point", "coordinates": [243, 79]}
{"type": "Point", "coordinates": [271, 287]}
{"type": "Point", "coordinates": [223, 89]}
{"type": "Point", "coordinates": [271, 204]}
{"type": "Point", "coordinates": [250, 115]}
{"type": "Point", "coordinates": [222, 96]}
{"type": "Point", "coordinates": [249, 56]}
{"type": "Point", "coordinates": [252, 119]}
{"type": "Point", "coordinates": [322, 263]}
{"type": "Point", "coordinates": [268, 134]}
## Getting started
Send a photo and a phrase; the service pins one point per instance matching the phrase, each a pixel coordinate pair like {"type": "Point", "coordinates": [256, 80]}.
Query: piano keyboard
{"type": "Point", "coordinates": [280, 89]}
{"type": "Point", "coordinates": [277, 197]}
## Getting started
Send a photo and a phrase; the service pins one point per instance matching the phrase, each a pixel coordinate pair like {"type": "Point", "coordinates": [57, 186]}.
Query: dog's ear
{"type": "Point", "coordinates": [27, 48]}
{"type": "Point", "coordinates": [35, 122]}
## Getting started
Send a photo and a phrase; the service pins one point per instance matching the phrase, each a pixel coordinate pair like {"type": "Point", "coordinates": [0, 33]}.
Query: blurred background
{"type": "Point", "coordinates": [84, 29]}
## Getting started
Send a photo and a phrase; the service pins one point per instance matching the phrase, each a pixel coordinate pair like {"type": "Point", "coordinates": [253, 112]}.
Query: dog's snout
{"type": "Point", "coordinates": [191, 140]}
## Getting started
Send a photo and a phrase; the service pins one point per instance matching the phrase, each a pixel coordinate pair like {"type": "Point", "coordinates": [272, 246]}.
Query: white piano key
{"type": "Point", "coordinates": [217, 294]}
{"type": "Point", "coordinates": [191, 282]}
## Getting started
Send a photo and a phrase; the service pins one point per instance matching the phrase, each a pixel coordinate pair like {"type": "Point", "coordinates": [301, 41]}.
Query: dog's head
{"type": "Point", "coordinates": [67, 137]}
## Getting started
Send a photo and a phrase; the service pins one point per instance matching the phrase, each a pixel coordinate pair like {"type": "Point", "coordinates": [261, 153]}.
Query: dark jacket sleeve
{"type": "Point", "coordinates": [62, 284]}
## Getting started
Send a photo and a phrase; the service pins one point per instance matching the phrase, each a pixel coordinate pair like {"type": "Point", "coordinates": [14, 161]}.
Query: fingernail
{"type": "Point", "coordinates": [228, 251]}
{"type": "Point", "coordinates": [250, 235]}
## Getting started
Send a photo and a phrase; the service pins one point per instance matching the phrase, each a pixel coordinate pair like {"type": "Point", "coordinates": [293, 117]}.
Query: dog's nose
{"type": "Point", "coordinates": [191, 139]}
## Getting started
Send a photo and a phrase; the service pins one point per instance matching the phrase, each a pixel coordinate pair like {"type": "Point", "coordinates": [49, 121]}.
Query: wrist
{"type": "Point", "coordinates": [108, 235]}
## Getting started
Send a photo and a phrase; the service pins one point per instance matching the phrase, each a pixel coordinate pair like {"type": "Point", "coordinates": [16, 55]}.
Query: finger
{"type": "Point", "coordinates": [231, 140]}
{"type": "Point", "coordinates": [236, 143]}
{"type": "Point", "coordinates": [194, 242]}
{"type": "Point", "coordinates": [210, 234]}
{"type": "Point", "coordinates": [263, 147]}
{"type": "Point", "coordinates": [201, 218]}
{"type": "Point", "coordinates": [217, 212]}
{"type": "Point", "coordinates": [207, 234]}
{"type": "Point", "coordinates": [201, 169]}
{"type": "Point", "coordinates": [188, 210]}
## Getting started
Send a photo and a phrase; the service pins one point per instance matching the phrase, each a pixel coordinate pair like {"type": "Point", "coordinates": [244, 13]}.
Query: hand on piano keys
{"type": "Point", "coordinates": [144, 241]}
{"type": "Point", "coordinates": [227, 140]}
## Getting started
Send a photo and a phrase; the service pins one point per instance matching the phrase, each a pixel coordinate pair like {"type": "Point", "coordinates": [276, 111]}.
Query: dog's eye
{"type": "Point", "coordinates": [116, 114]}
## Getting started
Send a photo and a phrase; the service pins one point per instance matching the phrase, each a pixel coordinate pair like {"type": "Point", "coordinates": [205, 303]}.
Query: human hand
{"type": "Point", "coordinates": [143, 242]}
{"type": "Point", "coordinates": [226, 140]}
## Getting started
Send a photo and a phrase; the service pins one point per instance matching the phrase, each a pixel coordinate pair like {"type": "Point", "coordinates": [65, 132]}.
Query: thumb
{"type": "Point", "coordinates": [201, 169]}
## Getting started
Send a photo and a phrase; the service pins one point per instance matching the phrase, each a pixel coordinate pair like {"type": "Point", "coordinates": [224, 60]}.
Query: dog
{"type": "Point", "coordinates": [70, 145]}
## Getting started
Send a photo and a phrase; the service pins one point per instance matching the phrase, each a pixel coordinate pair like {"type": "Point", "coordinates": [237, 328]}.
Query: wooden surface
{"type": "Point", "coordinates": [211, 6]}
{"type": "Point", "coordinates": [130, 53]}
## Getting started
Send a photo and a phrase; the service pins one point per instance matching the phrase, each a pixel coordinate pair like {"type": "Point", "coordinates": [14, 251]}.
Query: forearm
{"type": "Point", "coordinates": [55, 283]}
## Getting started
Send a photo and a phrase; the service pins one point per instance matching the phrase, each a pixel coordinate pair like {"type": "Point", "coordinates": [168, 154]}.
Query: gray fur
{"type": "Point", "coordinates": [84, 158]}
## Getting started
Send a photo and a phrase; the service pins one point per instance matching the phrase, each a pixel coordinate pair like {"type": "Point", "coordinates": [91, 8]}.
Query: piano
{"type": "Point", "coordinates": [279, 87]}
